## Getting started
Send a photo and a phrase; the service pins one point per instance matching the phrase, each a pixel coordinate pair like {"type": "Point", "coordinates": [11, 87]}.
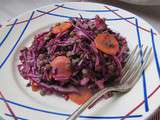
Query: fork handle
{"type": "Point", "coordinates": [93, 99]}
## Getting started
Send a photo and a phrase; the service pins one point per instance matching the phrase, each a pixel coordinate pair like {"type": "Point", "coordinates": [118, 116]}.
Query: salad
{"type": "Point", "coordinates": [74, 59]}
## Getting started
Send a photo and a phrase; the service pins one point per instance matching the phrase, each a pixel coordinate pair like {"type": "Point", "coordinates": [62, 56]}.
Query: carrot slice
{"type": "Point", "coordinates": [107, 43]}
{"type": "Point", "coordinates": [81, 98]}
{"type": "Point", "coordinates": [61, 27]}
{"type": "Point", "coordinates": [35, 86]}
{"type": "Point", "coordinates": [62, 64]}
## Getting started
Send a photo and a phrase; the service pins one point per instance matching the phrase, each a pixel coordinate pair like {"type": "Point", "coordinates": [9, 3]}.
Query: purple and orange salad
{"type": "Point", "coordinates": [74, 59]}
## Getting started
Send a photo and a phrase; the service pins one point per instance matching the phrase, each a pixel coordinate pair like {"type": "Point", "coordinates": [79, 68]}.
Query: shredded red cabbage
{"type": "Point", "coordinates": [91, 67]}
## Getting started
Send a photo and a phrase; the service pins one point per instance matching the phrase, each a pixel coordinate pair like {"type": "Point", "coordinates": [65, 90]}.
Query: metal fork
{"type": "Point", "coordinates": [136, 63]}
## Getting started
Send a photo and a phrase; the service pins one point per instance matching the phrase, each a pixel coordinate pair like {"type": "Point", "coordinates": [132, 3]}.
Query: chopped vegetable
{"type": "Point", "coordinates": [35, 86]}
{"type": "Point", "coordinates": [61, 27]}
{"type": "Point", "coordinates": [107, 43]}
{"type": "Point", "coordinates": [82, 97]}
{"type": "Point", "coordinates": [62, 64]}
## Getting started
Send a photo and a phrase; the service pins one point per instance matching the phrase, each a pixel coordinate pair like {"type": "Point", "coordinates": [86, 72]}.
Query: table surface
{"type": "Point", "coordinates": [12, 8]}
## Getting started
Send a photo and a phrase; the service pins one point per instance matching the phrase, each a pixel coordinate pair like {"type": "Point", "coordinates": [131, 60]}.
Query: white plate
{"type": "Point", "coordinates": [140, 102]}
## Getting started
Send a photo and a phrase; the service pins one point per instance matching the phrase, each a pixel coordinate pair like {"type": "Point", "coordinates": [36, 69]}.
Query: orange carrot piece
{"type": "Point", "coordinates": [61, 27]}
{"type": "Point", "coordinates": [62, 63]}
{"type": "Point", "coordinates": [107, 43]}
{"type": "Point", "coordinates": [81, 98]}
{"type": "Point", "coordinates": [35, 86]}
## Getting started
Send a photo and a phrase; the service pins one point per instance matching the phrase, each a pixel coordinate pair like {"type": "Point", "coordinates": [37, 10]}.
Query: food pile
{"type": "Point", "coordinates": [74, 59]}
